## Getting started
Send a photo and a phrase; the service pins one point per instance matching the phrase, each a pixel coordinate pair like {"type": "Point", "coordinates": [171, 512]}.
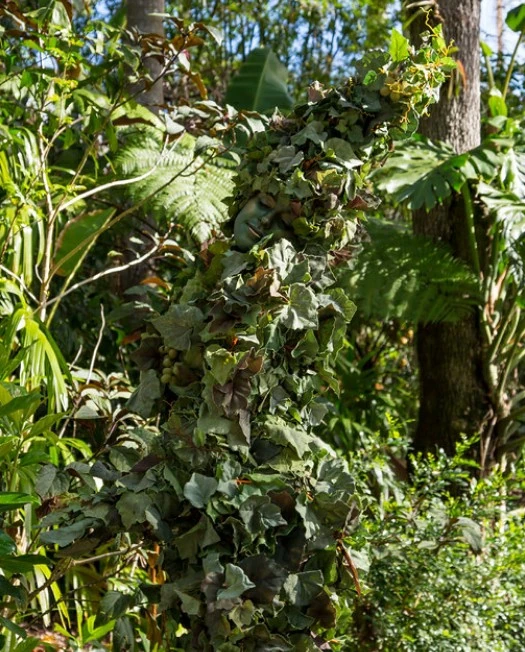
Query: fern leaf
{"type": "Point", "coordinates": [399, 275]}
{"type": "Point", "coordinates": [187, 185]}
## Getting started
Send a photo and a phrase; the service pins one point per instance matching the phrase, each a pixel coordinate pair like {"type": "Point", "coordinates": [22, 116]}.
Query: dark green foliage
{"type": "Point", "coordinates": [398, 275]}
{"type": "Point", "coordinates": [251, 509]}
{"type": "Point", "coordinates": [442, 558]}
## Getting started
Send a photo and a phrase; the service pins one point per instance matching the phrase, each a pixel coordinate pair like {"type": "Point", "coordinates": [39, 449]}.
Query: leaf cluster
{"type": "Point", "coordinates": [251, 510]}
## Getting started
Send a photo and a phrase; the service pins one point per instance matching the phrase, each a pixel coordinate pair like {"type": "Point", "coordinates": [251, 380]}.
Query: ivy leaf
{"type": "Point", "coordinates": [236, 581]}
{"type": "Point", "coordinates": [178, 325]}
{"type": "Point", "coordinates": [314, 131]}
{"type": "Point", "coordinates": [170, 594]}
{"type": "Point", "coordinates": [302, 588]}
{"type": "Point", "coordinates": [267, 575]}
{"type": "Point", "coordinates": [199, 489]}
{"type": "Point", "coordinates": [260, 514]}
{"type": "Point", "coordinates": [232, 397]}
{"type": "Point", "coordinates": [343, 153]}
{"type": "Point", "coordinates": [301, 311]}
{"type": "Point", "coordinates": [200, 536]}
{"type": "Point", "coordinates": [132, 508]}
{"type": "Point", "coordinates": [279, 431]}
{"type": "Point", "coordinates": [288, 158]}
{"type": "Point", "coordinates": [398, 47]}
{"type": "Point", "coordinates": [221, 363]}
{"type": "Point", "coordinates": [144, 397]}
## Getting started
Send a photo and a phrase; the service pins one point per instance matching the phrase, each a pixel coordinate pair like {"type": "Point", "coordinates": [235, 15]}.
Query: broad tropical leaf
{"type": "Point", "coordinates": [261, 84]}
{"type": "Point", "coordinates": [421, 173]}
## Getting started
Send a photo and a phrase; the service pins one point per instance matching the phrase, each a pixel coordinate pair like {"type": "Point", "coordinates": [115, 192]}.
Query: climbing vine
{"type": "Point", "coordinates": [252, 512]}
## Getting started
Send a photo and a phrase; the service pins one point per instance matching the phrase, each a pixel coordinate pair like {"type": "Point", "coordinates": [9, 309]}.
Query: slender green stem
{"type": "Point", "coordinates": [490, 73]}
{"type": "Point", "coordinates": [511, 66]}
{"type": "Point", "coordinates": [471, 229]}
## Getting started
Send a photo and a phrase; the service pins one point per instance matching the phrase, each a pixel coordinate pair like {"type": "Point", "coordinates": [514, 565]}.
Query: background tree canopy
{"type": "Point", "coordinates": [261, 330]}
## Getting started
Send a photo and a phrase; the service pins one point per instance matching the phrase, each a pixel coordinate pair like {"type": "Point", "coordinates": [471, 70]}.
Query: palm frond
{"type": "Point", "coordinates": [399, 275]}
{"type": "Point", "coordinates": [187, 184]}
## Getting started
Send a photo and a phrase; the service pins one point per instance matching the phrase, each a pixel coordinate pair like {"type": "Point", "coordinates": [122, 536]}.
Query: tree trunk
{"type": "Point", "coordinates": [453, 393]}
{"type": "Point", "coordinates": [139, 15]}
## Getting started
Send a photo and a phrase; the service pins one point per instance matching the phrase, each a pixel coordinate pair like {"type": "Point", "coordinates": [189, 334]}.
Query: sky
{"type": "Point", "coordinates": [489, 25]}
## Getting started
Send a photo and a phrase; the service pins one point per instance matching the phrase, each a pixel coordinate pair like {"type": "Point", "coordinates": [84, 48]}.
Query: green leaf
{"type": "Point", "coordinates": [19, 593]}
{"type": "Point", "coordinates": [342, 152]}
{"type": "Point", "coordinates": [201, 535]}
{"type": "Point", "coordinates": [14, 500]}
{"type": "Point", "coordinates": [422, 174]}
{"type": "Point", "coordinates": [279, 431]}
{"type": "Point", "coordinates": [7, 545]}
{"type": "Point", "coordinates": [399, 275]}
{"type": "Point", "coordinates": [25, 406]}
{"type": "Point", "coordinates": [261, 84]}
{"type": "Point", "coordinates": [497, 104]}
{"type": "Point", "coordinates": [65, 535]}
{"type": "Point", "coordinates": [221, 362]}
{"type": "Point", "coordinates": [115, 604]}
{"type": "Point", "coordinates": [15, 629]}
{"type": "Point", "coordinates": [516, 18]}
{"type": "Point", "coordinates": [236, 581]}
{"type": "Point", "coordinates": [178, 325]}
{"type": "Point", "coordinates": [486, 49]}
{"type": "Point", "coordinates": [78, 237]}
{"type": "Point", "coordinates": [199, 489]}
{"type": "Point", "coordinates": [302, 588]}
{"type": "Point", "coordinates": [132, 508]}
{"type": "Point", "coordinates": [144, 397]}
{"type": "Point", "coordinates": [471, 532]}
{"type": "Point", "coordinates": [301, 311]}
{"type": "Point", "coordinates": [51, 481]}
{"type": "Point", "coordinates": [170, 594]}
{"type": "Point", "coordinates": [260, 514]}
{"type": "Point", "coordinates": [100, 631]}
{"type": "Point", "coordinates": [22, 563]}
{"type": "Point", "coordinates": [398, 47]}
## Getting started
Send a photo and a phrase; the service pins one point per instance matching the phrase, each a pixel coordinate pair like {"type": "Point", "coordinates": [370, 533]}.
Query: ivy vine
{"type": "Point", "coordinates": [252, 512]}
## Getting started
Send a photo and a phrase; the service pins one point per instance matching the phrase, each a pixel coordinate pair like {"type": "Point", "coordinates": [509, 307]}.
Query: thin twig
{"type": "Point", "coordinates": [351, 566]}
{"type": "Point", "coordinates": [20, 281]}
{"type": "Point", "coordinates": [97, 344]}
{"type": "Point", "coordinates": [107, 272]}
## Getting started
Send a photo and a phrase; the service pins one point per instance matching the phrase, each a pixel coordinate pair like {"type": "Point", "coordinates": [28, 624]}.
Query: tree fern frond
{"type": "Point", "coordinates": [187, 185]}
{"type": "Point", "coordinates": [399, 275]}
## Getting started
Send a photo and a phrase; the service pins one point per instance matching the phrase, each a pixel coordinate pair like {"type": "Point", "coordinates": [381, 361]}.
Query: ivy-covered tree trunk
{"type": "Point", "coordinates": [251, 511]}
{"type": "Point", "coordinates": [453, 393]}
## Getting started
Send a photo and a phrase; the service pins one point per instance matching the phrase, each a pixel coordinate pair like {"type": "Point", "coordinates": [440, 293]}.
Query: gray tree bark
{"type": "Point", "coordinates": [453, 394]}
{"type": "Point", "coordinates": [140, 16]}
